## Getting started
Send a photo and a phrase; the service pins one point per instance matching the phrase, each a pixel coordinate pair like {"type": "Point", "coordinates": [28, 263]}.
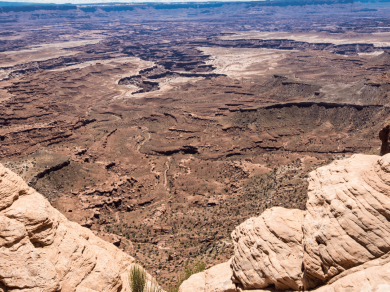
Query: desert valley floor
{"type": "Point", "coordinates": [162, 127]}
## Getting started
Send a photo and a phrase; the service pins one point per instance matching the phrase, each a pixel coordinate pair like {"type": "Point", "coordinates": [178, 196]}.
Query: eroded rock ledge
{"type": "Point", "coordinates": [40, 250]}
{"type": "Point", "coordinates": [340, 243]}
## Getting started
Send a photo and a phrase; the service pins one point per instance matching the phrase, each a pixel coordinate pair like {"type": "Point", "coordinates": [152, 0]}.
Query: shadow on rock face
{"type": "Point", "coordinates": [384, 136]}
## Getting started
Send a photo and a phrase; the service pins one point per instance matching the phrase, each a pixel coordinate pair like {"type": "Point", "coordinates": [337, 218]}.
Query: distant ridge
{"type": "Point", "coordinates": [29, 8]}
{"type": "Point", "coordinates": [6, 7]}
{"type": "Point", "coordinates": [5, 4]}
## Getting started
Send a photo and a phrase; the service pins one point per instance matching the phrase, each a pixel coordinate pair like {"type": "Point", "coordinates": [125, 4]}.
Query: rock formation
{"type": "Point", "coordinates": [346, 223]}
{"type": "Point", "coordinates": [40, 250]}
{"type": "Point", "coordinates": [268, 250]}
{"type": "Point", "coordinates": [340, 243]}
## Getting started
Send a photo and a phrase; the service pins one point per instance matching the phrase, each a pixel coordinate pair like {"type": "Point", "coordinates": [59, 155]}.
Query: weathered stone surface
{"type": "Point", "coordinates": [346, 223]}
{"type": "Point", "coordinates": [219, 278]}
{"type": "Point", "coordinates": [21, 264]}
{"type": "Point", "coordinates": [40, 250]}
{"type": "Point", "coordinates": [195, 283]}
{"type": "Point", "coordinates": [215, 279]}
{"type": "Point", "coordinates": [383, 260]}
{"type": "Point", "coordinates": [374, 279]}
{"type": "Point", "coordinates": [268, 250]}
{"type": "Point", "coordinates": [39, 218]}
{"type": "Point", "coordinates": [11, 188]}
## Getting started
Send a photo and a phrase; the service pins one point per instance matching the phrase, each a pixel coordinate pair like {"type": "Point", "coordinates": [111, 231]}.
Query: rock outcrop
{"type": "Point", "coordinates": [268, 250]}
{"type": "Point", "coordinates": [371, 279]}
{"type": "Point", "coordinates": [347, 217]}
{"type": "Point", "coordinates": [40, 250]}
{"type": "Point", "coordinates": [340, 243]}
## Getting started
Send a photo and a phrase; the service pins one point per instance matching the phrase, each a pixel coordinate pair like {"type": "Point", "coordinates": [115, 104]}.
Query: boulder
{"type": "Point", "coordinates": [268, 250]}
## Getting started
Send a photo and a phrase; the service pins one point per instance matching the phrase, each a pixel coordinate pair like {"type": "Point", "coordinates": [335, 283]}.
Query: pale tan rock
{"type": "Point", "coordinates": [216, 279]}
{"type": "Point", "coordinates": [268, 250]}
{"type": "Point", "coordinates": [26, 268]}
{"type": "Point", "coordinates": [40, 250]}
{"type": "Point", "coordinates": [11, 231]}
{"type": "Point", "coordinates": [219, 278]}
{"type": "Point", "coordinates": [195, 283]}
{"type": "Point", "coordinates": [374, 279]}
{"type": "Point", "coordinates": [22, 266]}
{"type": "Point", "coordinates": [383, 260]}
{"type": "Point", "coordinates": [39, 218]}
{"type": "Point", "coordinates": [11, 187]}
{"type": "Point", "coordinates": [346, 223]}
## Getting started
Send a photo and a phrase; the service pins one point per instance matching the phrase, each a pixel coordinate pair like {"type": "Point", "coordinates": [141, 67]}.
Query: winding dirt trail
{"type": "Point", "coordinates": [144, 141]}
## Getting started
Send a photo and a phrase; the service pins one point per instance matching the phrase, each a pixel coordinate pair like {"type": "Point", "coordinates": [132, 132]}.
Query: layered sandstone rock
{"type": "Point", "coordinates": [374, 279]}
{"type": "Point", "coordinates": [346, 222]}
{"type": "Point", "coordinates": [40, 250]}
{"type": "Point", "coordinates": [341, 242]}
{"type": "Point", "coordinates": [268, 250]}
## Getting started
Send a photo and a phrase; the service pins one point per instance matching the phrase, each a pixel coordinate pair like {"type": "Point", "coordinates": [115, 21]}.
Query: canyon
{"type": "Point", "coordinates": [162, 127]}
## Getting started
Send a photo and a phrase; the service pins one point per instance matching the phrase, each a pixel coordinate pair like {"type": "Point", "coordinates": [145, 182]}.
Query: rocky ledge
{"type": "Point", "coordinates": [340, 243]}
{"type": "Point", "coordinates": [40, 250]}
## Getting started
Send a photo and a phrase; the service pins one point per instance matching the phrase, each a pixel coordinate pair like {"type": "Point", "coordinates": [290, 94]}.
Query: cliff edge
{"type": "Point", "coordinates": [40, 250]}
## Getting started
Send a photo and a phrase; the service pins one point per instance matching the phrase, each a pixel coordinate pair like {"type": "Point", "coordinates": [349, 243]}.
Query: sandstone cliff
{"type": "Point", "coordinates": [340, 243]}
{"type": "Point", "coordinates": [40, 250]}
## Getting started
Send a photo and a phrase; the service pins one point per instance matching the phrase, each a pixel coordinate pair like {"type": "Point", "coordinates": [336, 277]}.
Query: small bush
{"type": "Point", "coordinates": [138, 283]}
{"type": "Point", "coordinates": [137, 279]}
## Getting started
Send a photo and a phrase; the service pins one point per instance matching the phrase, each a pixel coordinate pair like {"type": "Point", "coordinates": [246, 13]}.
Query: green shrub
{"type": "Point", "coordinates": [137, 279]}
{"type": "Point", "coordinates": [138, 283]}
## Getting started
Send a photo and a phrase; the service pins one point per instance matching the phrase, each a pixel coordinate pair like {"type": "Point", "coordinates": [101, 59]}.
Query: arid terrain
{"type": "Point", "coordinates": [161, 127]}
